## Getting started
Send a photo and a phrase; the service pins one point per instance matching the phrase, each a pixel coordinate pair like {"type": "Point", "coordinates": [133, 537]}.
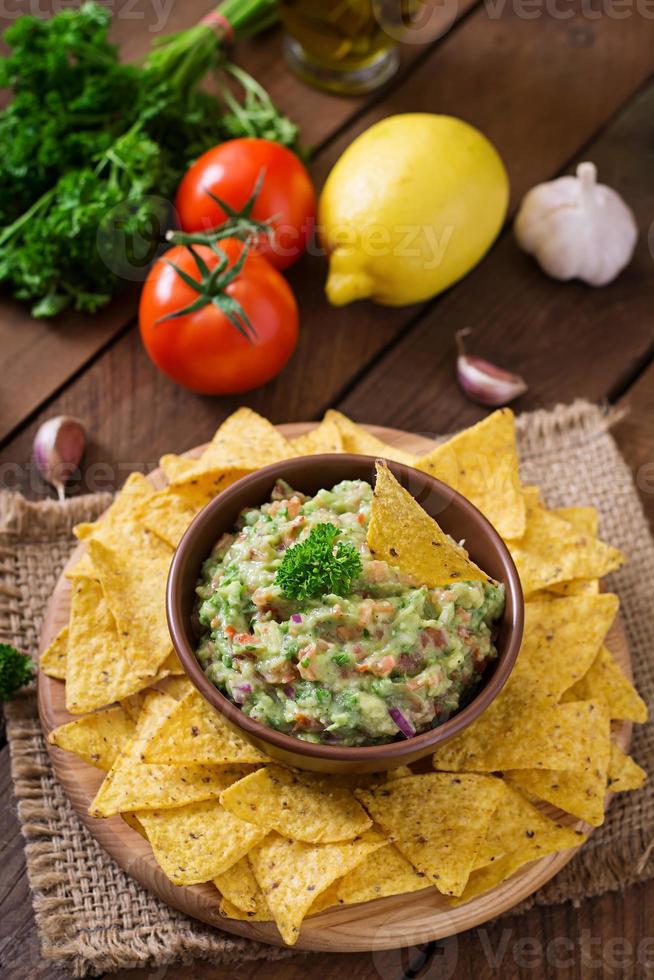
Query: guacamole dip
{"type": "Point", "coordinates": [337, 647]}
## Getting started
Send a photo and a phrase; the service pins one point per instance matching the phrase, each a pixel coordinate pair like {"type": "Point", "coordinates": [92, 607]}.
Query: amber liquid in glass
{"type": "Point", "coordinates": [344, 45]}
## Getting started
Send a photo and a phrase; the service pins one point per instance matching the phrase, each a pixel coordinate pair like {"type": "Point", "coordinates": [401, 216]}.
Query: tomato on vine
{"type": "Point", "coordinates": [257, 185]}
{"type": "Point", "coordinates": [217, 319]}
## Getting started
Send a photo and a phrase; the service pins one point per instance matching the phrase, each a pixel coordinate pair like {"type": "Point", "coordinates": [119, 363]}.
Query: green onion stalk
{"type": "Point", "coordinates": [188, 55]}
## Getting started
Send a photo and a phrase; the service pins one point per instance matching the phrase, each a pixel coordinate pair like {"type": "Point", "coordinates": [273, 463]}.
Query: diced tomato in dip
{"type": "Point", "coordinates": [390, 658]}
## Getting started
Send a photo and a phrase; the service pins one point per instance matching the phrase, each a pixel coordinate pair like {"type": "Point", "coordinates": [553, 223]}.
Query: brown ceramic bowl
{"type": "Point", "coordinates": [309, 474]}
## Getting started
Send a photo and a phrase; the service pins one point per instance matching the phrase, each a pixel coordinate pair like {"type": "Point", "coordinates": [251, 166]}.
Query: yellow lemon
{"type": "Point", "coordinates": [410, 207]}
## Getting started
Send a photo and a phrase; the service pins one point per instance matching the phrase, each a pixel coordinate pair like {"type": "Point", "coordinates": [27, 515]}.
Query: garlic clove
{"type": "Point", "coordinates": [483, 382]}
{"type": "Point", "coordinates": [57, 450]}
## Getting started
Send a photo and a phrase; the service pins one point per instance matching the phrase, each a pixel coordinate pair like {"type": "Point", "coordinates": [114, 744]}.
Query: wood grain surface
{"type": "Point", "coordinates": [551, 89]}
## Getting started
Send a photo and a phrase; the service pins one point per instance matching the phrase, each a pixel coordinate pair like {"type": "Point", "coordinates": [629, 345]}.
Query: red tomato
{"type": "Point", "coordinates": [230, 171]}
{"type": "Point", "coordinates": [203, 350]}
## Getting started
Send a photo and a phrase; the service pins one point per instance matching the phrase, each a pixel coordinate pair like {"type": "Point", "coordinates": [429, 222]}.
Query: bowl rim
{"type": "Point", "coordinates": [417, 744]}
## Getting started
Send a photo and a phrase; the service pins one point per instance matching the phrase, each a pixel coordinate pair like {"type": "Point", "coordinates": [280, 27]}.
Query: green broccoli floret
{"type": "Point", "coordinates": [318, 565]}
{"type": "Point", "coordinates": [16, 670]}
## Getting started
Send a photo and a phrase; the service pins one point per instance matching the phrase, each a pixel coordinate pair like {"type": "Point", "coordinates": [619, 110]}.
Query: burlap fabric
{"type": "Point", "coordinates": [93, 918]}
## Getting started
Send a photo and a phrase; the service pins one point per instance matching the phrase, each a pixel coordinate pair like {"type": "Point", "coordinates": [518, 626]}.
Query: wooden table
{"type": "Point", "coordinates": [549, 89]}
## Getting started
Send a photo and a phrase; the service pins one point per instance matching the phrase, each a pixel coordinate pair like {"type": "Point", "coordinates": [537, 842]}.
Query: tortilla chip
{"type": "Point", "coordinates": [292, 874]}
{"type": "Point", "coordinates": [168, 513]}
{"type": "Point", "coordinates": [230, 911]}
{"type": "Point", "coordinates": [133, 571]}
{"type": "Point", "coordinates": [605, 681]}
{"type": "Point", "coordinates": [98, 671]}
{"type": "Point", "coordinates": [132, 821]}
{"type": "Point", "coordinates": [297, 805]}
{"type": "Point", "coordinates": [624, 772]}
{"type": "Point", "coordinates": [362, 780]}
{"type": "Point", "coordinates": [97, 739]}
{"type": "Point", "coordinates": [239, 888]}
{"type": "Point", "coordinates": [403, 534]}
{"type": "Point", "coordinates": [386, 872]}
{"type": "Point", "coordinates": [585, 520]}
{"type": "Point", "coordinates": [132, 785]}
{"type": "Point", "coordinates": [197, 842]}
{"type": "Point", "coordinates": [518, 733]}
{"type": "Point", "coordinates": [481, 463]}
{"type": "Point", "coordinates": [81, 569]}
{"type": "Point", "coordinates": [243, 443]}
{"type": "Point", "coordinates": [135, 490]}
{"type": "Point", "coordinates": [576, 586]}
{"type": "Point", "coordinates": [518, 833]}
{"type": "Point", "coordinates": [176, 687]}
{"type": "Point", "coordinates": [53, 661]}
{"type": "Point", "coordinates": [521, 829]}
{"type": "Point", "coordinates": [438, 821]}
{"type": "Point", "coordinates": [580, 793]}
{"type": "Point", "coordinates": [357, 440]}
{"type": "Point", "coordinates": [325, 438]}
{"type": "Point", "coordinates": [561, 640]}
{"type": "Point", "coordinates": [551, 551]}
{"type": "Point", "coordinates": [195, 733]}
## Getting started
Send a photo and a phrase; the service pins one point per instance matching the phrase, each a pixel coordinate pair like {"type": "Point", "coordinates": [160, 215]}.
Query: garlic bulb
{"type": "Point", "coordinates": [576, 228]}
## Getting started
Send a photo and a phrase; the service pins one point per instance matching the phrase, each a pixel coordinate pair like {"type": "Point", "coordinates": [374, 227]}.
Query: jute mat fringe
{"type": "Point", "coordinates": [93, 918]}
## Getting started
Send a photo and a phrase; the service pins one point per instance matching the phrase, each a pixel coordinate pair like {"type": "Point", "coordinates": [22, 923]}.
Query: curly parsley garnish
{"type": "Point", "coordinates": [15, 671]}
{"type": "Point", "coordinates": [318, 565]}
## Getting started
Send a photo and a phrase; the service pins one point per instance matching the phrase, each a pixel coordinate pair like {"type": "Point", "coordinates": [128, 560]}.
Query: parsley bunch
{"type": "Point", "coordinates": [319, 565]}
{"type": "Point", "coordinates": [93, 150]}
{"type": "Point", "coordinates": [15, 670]}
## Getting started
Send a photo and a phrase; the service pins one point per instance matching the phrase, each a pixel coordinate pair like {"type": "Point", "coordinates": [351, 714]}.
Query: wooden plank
{"type": "Point", "coordinates": [334, 966]}
{"type": "Point", "coordinates": [553, 99]}
{"type": "Point", "coordinates": [567, 340]}
{"type": "Point", "coordinates": [20, 954]}
{"type": "Point", "coordinates": [38, 357]}
{"type": "Point", "coordinates": [635, 436]}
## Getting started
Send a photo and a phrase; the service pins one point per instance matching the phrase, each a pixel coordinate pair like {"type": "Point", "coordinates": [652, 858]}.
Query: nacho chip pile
{"type": "Point", "coordinates": [280, 845]}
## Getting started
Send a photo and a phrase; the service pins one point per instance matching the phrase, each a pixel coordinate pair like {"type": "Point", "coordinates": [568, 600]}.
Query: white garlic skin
{"type": "Point", "coordinates": [58, 447]}
{"type": "Point", "coordinates": [577, 229]}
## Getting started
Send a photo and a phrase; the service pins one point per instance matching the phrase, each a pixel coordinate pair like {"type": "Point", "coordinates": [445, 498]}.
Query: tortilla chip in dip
{"type": "Point", "coordinates": [403, 534]}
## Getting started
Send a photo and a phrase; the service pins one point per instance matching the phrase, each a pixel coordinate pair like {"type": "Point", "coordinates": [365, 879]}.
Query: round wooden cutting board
{"type": "Point", "coordinates": [387, 923]}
